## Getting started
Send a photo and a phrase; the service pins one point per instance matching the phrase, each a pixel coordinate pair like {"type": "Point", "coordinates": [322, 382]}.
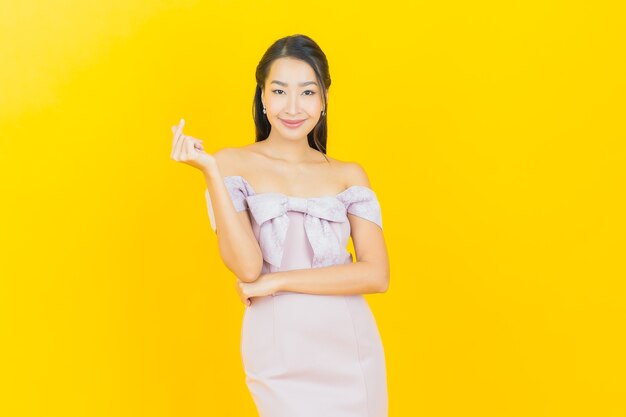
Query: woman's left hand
{"type": "Point", "coordinates": [264, 285]}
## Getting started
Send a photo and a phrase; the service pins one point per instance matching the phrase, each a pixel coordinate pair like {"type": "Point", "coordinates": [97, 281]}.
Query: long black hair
{"type": "Point", "coordinates": [300, 47]}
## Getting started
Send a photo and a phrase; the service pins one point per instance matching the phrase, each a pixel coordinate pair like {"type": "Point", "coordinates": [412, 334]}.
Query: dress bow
{"type": "Point", "coordinates": [270, 213]}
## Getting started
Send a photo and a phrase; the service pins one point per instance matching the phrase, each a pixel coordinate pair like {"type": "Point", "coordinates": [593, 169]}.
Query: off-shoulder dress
{"type": "Point", "coordinates": [309, 355]}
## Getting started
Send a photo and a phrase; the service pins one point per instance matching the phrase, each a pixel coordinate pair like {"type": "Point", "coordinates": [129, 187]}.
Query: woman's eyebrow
{"type": "Point", "coordinates": [301, 84]}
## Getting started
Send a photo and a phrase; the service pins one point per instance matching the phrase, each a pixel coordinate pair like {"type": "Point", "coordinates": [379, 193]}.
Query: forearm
{"type": "Point", "coordinates": [347, 279]}
{"type": "Point", "coordinates": [238, 247]}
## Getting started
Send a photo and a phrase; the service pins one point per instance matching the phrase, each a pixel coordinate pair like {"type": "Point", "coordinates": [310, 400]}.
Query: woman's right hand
{"type": "Point", "coordinates": [189, 150]}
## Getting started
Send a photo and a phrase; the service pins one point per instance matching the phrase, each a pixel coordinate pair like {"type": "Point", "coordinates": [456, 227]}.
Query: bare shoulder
{"type": "Point", "coordinates": [354, 174]}
{"type": "Point", "coordinates": [230, 159]}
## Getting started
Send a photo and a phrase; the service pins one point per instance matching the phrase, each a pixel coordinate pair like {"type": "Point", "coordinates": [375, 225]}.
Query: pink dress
{"type": "Point", "coordinates": [309, 355]}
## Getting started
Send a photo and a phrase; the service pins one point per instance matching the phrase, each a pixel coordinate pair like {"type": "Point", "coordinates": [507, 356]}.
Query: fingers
{"type": "Point", "coordinates": [239, 286]}
{"type": "Point", "coordinates": [176, 131]}
{"type": "Point", "coordinates": [183, 146]}
{"type": "Point", "coordinates": [190, 146]}
{"type": "Point", "coordinates": [188, 149]}
{"type": "Point", "coordinates": [180, 138]}
{"type": "Point", "coordinates": [177, 140]}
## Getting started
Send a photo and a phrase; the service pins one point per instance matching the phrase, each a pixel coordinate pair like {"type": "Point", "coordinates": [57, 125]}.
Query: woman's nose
{"type": "Point", "coordinates": [292, 105]}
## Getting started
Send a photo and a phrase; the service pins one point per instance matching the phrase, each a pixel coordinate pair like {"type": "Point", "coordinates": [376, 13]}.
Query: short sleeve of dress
{"type": "Point", "coordinates": [362, 201]}
{"type": "Point", "coordinates": [238, 192]}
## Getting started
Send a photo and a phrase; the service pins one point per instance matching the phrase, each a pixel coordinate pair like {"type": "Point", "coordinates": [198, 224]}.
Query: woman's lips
{"type": "Point", "coordinates": [292, 123]}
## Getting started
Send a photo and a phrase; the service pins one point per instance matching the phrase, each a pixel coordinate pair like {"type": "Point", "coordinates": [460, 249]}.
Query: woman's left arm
{"type": "Point", "coordinates": [370, 274]}
{"type": "Point", "coordinates": [347, 279]}
{"type": "Point", "coordinates": [354, 278]}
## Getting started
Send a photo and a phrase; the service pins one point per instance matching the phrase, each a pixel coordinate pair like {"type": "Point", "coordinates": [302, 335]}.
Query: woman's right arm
{"type": "Point", "coordinates": [238, 246]}
{"type": "Point", "coordinates": [239, 249]}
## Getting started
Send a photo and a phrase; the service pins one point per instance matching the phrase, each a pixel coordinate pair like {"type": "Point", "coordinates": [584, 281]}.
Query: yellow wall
{"type": "Point", "coordinates": [494, 137]}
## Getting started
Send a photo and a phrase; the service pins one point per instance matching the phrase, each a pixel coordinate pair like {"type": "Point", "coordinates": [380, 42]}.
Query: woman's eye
{"type": "Point", "coordinates": [306, 91]}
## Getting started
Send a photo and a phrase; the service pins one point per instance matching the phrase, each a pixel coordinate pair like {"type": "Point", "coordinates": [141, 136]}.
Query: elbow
{"type": "Point", "coordinates": [252, 272]}
{"type": "Point", "coordinates": [245, 267]}
{"type": "Point", "coordinates": [379, 279]}
{"type": "Point", "coordinates": [248, 277]}
{"type": "Point", "coordinates": [383, 282]}
{"type": "Point", "coordinates": [384, 286]}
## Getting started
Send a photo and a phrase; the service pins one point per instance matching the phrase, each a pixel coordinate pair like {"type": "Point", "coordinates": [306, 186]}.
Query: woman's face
{"type": "Point", "coordinates": [292, 93]}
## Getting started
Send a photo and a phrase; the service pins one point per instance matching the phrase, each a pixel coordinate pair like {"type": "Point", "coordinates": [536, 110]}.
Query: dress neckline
{"type": "Point", "coordinates": [293, 196]}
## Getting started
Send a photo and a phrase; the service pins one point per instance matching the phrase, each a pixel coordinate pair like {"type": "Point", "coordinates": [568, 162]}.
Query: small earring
{"type": "Point", "coordinates": [264, 110]}
{"type": "Point", "coordinates": [323, 113]}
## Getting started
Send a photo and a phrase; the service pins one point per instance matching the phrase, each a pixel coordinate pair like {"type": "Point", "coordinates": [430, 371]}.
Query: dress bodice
{"type": "Point", "coordinates": [298, 232]}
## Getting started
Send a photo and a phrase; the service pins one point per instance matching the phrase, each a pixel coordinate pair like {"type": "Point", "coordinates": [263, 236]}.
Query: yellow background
{"type": "Point", "coordinates": [493, 133]}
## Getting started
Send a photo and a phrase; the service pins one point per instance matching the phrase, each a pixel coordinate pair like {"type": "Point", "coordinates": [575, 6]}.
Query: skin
{"type": "Point", "coordinates": [285, 163]}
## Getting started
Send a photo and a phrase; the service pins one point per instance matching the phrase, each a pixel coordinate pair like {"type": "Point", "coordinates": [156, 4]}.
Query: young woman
{"type": "Point", "coordinates": [285, 211]}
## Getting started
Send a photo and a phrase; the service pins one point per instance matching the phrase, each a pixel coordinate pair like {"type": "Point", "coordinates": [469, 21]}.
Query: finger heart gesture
{"type": "Point", "coordinates": [189, 150]}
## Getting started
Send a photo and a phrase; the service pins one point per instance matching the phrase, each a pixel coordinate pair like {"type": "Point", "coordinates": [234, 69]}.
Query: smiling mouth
{"type": "Point", "coordinates": [292, 123]}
